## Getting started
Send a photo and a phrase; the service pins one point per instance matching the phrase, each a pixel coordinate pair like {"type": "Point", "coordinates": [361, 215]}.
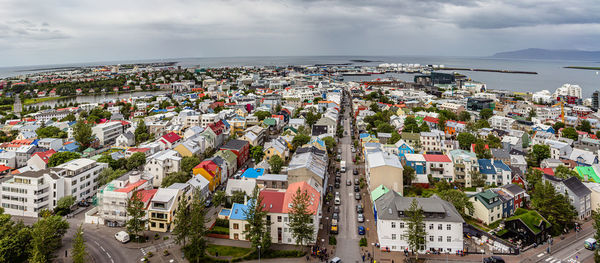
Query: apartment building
{"type": "Point", "coordinates": [113, 199]}
{"type": "Point", "coordinates": [162, 163]}
{"type": "Point", "coordinates": [108, 132]}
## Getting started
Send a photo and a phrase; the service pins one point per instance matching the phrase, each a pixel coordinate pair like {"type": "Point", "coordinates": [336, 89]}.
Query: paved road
{"type": "Point", "coordinates": [347, 239]}
{"type": "Point", "coordinates": [574, 252]}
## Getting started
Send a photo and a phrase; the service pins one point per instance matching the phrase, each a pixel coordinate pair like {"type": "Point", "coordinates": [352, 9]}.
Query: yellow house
{"type": "Point", "coordinates": [276, 147]}
{"type": "Point", "coordinates": [241, 112]}
{"type": "Point", "coordinates": [161, 212]}
{"type": "Point", "coordinates": [188, 148]}
{"type": "Point", "coordinates": [211, 171]}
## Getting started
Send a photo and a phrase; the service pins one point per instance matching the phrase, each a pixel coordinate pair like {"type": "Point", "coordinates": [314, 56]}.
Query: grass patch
{"type": "Point", "coordinates": [227, 251]}
{"type": "Point", "coordinates": [219, 230]}
{"type": "Point", "coordinates": [476, 223]}
{"type": "Point", "coordinates": [531, 218]}
{"type": "Point", "coordinates": [38, 100]}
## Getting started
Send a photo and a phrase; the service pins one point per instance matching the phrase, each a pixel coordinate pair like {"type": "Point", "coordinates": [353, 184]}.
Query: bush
{"type": "Point", "coordinates": [332, 241]}
{"type": "Point", "coordinates": [150, 254]}
{"type": "Point", "coordinates": [275, 254]}
{"type": "Point", "coordinates": [165, 237]}
{"type": "Point", "coordinates": [363, 242]}
{"type": "Point", "coordinates": [222, 222]}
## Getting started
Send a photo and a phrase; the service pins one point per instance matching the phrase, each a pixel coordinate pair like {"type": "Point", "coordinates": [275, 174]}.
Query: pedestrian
{"type": "Point", "coordinates": [363, 257]}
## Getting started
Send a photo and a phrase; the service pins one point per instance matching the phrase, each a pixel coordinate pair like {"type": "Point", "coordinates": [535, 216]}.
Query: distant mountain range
{"type": "Point", "coordinates": [537, 53]}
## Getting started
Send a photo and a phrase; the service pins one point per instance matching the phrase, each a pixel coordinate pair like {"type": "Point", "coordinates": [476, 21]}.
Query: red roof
{"type": "Point", "coordinates": [431, 119]}
{"type": "Point", "coordinates": [314, 196]}
{"type": "Point", "coordinates": [440, 158]}
{"type": "Point", "coordinates": [45, 156]}
{"type": "Point", "coordinates": [4, 168]}
{"type": "Point", "coordinates": [272, 200]}
{"type": "Point", "coordinates": [547, 171]}
{"type": "Point", "coordinates": [209, 166]}
{"type": "Point", "coordinates": [146, 195]}
{"type": "Point", "coordinates": [138, 150]}
{"type": "Point", "coordinates": [130, 187]}
{"type": "Point", "coordinates": [171, 137]}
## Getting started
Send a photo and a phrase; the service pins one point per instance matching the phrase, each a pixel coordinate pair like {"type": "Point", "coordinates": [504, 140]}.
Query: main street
{"type": "Point", "coordinates": [347, 239]}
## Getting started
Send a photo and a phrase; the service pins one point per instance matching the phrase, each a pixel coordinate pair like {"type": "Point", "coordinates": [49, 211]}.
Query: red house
{"type": "Point", "coordinates": [517, 193]}
{"type": "Point", "coordinates": [240, 148]}
{"type": "Point", "coordinates": [170, 139]}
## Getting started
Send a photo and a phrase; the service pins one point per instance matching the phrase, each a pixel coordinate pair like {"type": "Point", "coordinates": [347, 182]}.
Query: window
{"type": "Point", "coordinates": [393, 224]}
{"type": "Point", "coordinates": [401, 224]}
{"type": "Point", "coordinates": [440, 238]}
{"type": "Point", "coordinates": [393, 236]}
{"type": "Point", "coordinates": [430, 238]}
{"type": "Point", "coordinates": [439, 226]}
{"type": "Point", "coordinates": [430, 226]}
{"type": "Point", "coordinates": [449, 239]}
{"type": "Point", "coordinates": [278, 218]}
{"type": "Point", "coordinates": [236, 226]}
{"type": "Point", "coordinates": [448, 227]}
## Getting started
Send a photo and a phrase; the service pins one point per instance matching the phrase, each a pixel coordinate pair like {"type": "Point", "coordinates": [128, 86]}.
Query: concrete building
{"type": "Point", "coordinates": [108, 132]}
{"type": "Point", "coordinates": [162, 163]}
{"type": "Point", "coordinates": [383, 168]}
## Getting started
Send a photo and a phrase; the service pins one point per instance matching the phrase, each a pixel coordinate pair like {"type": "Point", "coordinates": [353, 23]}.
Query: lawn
{"type": "Point", "coordinates": [227, 250]}
{"type": "Point", "coordinates": [220, 230]}
{"type": "Point", "coordinates": [476, 223]}
{"type": "Point", "coordinates": [37, 100]}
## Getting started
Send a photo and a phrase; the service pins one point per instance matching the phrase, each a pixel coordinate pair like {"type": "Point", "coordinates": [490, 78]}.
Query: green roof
{"type": "Point", "coordinates": [531, 218]}
{"type": "Point", "coordinates": [587, 171]}
{"type": "Point", "coordinates": [270, 122]}
{"type": "Point", "coordinates": [378, 192]}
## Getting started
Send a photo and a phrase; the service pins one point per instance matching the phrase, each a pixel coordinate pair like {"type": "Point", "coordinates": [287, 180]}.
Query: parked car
{"type": "Point", "coordinates": [356, 188]}
{"type": "Point", "coordinates": [361, 230]}
{"type": "Point", "coordinates": [338, 179]}
{"type": "Point", "coordinates": [357, 196]}
{"type": "Point", "coordinates": [122, 236]}
{"type": "Point", "coordinates": [336, 209]}
{"type": "Point", "coordinates": [207, 203]}
{"type": "Point", "coordinates": [359, 208]}
{"type": "Point", "coordinates": [361, 218]}
{"type": "Point", "coordinates": [355, 172]}
{"type": "Point", "coordinates": [356, 182]}
{"type": "Point", "coordinates": [335, 216]}
{"type": "Point", "coordinates": [337, 200]}
{"type": "Point", "coordinates": [336, 260]}
{"type": "Point", "coordinates": [493, 259]}
{"type": "Point", "coordinates": [348, 182]}
{"type": "Point", "coordinates": [337, 185]}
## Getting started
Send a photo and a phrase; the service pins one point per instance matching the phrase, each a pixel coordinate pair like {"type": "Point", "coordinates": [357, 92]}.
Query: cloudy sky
{"type": "Point", "coordinates": [36, 32]}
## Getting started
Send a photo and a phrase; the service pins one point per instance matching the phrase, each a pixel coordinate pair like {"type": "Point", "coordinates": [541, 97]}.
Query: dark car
{"type": "Point", "coordinates": [356, 182]}
{"type": "Point", "coordinates": [208, 203]}
{"type": "Point", "coordinates": [356, 188]}
{"type": "Point", "coordinates": [330, 188]}
{"type": "Point", "coordinates": [355, 172]}
{"type": "Point", "coordinates": [335, 216]}
{"type": "Point", "coordinates": [493, 259]}
{"type": "Point", "coordinates": [357, 196]}
{"type": "Point", "coordinates": [361, 231]}
{"type": "Point", "coordinates": [337, 185]}
{"type": "Point", "coordinates": [338, 179]}
{"type": "Point", "coordinates": [359, 209]}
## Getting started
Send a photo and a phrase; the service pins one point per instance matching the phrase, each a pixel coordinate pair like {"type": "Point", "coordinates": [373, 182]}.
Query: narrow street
{"type": "Point", "coordinates": [347, 239]}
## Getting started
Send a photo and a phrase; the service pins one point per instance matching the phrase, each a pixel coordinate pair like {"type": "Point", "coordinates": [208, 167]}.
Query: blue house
{"type": "Point", "coordinates": [71, 147]}
{"type": "Point", "coordinates": [416, 161]}
{"type": "Point", "coordinates": [508, 206]}
{"type": "Point", "coordinates": [403, 148]}
{"type": "Point", "coordinates": [496, 171]}
{"type": "Point", "coordinates": [545, 128]}
{"type": "Point", "coordinates": [253, 173]}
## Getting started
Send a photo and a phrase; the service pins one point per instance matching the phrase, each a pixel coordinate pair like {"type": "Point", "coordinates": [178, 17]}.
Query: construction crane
{"type": "Point", "coordinates": [562, 109]}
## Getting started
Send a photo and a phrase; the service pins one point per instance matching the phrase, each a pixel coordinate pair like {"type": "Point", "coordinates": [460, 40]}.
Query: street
{"type": "Point", "coordinates": [347, 239]}
{"type": "Point", "coordinates": [574, 251]}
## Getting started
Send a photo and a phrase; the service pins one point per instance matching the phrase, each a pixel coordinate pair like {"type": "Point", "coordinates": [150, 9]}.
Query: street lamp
{"type": "Point", "coordinates": [258, 253]}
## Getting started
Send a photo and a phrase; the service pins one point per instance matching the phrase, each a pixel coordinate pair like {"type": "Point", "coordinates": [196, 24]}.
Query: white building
{"type": "Point", "coordinates": [107, 132]}
{"type": "Point", "coordinates": [568, 90]}
{"type": "Point", "coordinates": [501, 122]}
{"type": "Point", "coordinates": [162, 163]}
{"type": "Point", "coordinates": [113, 199]}
{"type": "Point", "coordinates": [443, 224]}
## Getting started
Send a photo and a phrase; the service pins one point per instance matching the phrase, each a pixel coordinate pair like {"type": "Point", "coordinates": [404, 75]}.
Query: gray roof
{"type": "Point", "coordinates": [577, 187]}
{"type": "Point", "coordinates": [391, 203]}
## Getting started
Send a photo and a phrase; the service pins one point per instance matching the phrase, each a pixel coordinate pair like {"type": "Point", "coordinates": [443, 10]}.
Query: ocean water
{"type": "Point", "coordinates": [551, 74]}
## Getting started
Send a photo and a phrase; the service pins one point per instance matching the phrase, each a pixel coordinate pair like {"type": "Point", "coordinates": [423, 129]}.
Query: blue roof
{"type": "Point", "coordinates": [499, 164]}
{"type": "Point", "coordinates": [486, 167]}
{"type": "Point", "coordinates": [319, 141]}
{"type": "Point", "coordinates": [35, 142]}
{"type": "Point", "coordinates": [363, 135]}
{"type": "Point", "coordinates": [71, 147]}
{"type": "Point", "coordinates": [72, 123]}
{"type": "Point", "coordinates": [225, 212]}
{"type": "Point", "coordinates": [160, 110]}
{"type": "Point", "coordinates": [253, 173]}
{"type": "Point", "coordinates": [237, 211]}
{"type": "Point", "coordinates": [226, 123]}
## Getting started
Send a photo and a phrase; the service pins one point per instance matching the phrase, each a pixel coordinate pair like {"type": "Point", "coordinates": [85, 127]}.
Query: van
{"type": "Point", "coordinates": [336, 260]}
{"type": "Point", "coordinates": [590, 244]}
{"type": "Point", "coordinates": [122, 236]}
{"type": "Point", "coordinates": [337, 200]}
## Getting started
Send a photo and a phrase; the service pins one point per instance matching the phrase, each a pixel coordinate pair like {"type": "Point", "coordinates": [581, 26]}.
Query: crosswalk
{"type": "Point", "coordinates": [552, 259]}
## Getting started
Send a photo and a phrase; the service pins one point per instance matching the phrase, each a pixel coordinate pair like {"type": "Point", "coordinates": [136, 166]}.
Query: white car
{"type": "Point", "coordinates": [337, 200]}
{"type": "Point", "coordinates": [122, 236]}
{"type": "Point", "coordinates": [361, 218]}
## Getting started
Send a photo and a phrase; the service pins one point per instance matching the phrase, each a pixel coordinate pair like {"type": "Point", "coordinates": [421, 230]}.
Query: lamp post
{"type": "Point", "coordinates": [258, 253]}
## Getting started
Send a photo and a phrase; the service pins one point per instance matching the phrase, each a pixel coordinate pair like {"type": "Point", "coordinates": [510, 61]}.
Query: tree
{"type": "Point", "coordinates": [70, 117]}
{"type": "Point", "coordinates": [459, 199]}
{"type": "Point", "coordinates": [194, 251]}
{"type": "Point", "coordinates": [570, 133]}
{"type": "Point", "coordinates": [141, 132]}
{"type": "Point", "coordinates": [537, 154]}
{"type": "Point", "coordinates": [486, 113]}
{"type": "Point", "coordinates": [62, 157]}
{"type": "Point", "coordinates": [464, 116]}
{"type": "Point", "coordinates": [408, 175]}
{"type": "Point", "coordinates": [82, 132]}
{"type": "Point", "coordinates": [258, 229]}
{"type": "Point", "coordinates": [465, 139]}
{"type": "Point", "coordinates": [15, 239]}
{"type": "Point", "coordinates": [395, 137]}
{"type": "Point", "coordinates": [553, 206]}
{"type": "Point", "coordinates": [330, 143]}
{"type": "Point", "coordinates": [219, 198]}
{"type": "Point", "coordinates": [276, 163]}
{"type": "Point", "coordinates": [176, 177]}
{"type": "Point", "coordinates": [312, 118]}
{"type": "Point", "coordinates": [557, 126]}
{"type": "Point", "coordinates": [477, 179]}
{"type": "Point", "coordinates": [50, 132]}
{"type": "Point", "coordinates": [47, 236]}
{"type": "Point", "coordinates": [534, 176]}
{"type": "Point", "coordinates": [410, 125]}
{"type": "Point", "coordinates": [374, 107]}
{"type": "Point", "coordinates": [563, 172]}
{"type": "Point", "coordinates": [136, 161]}
{"type": "Point", "coordinates": [137, 214]}
{"type": "Point", "coordinates": [585, 126]}
{"type": "Point", "coordinates": [257, 153]}
{"type": "Point", "coordinates": [188, 163]}
{"type": "Point", "coordinates": [415, 232]}
{"type": "Point", "coordinates": [424, 127]}
{"type": "Point", "coordinates": [481, 151]}
{"type": "Point", "coordinates": [79, 253]}
{"type": "Point", "coordinates": [480, 124]}
{"type": "Point", "coordinates": [181, 230]}
{"type": "Point", "coordinates": [300, 218]}
{"type": "Point", "coordinates": [493, 141]}
{"type": "Point", "coordinates": [299, 140]}
{"type": "Point", "coordinates": [261, 115]}
{"type": "Point", "coordinates": [63, 206]}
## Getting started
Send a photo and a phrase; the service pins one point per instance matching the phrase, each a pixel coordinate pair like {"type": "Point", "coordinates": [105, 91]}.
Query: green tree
{"type": "Point", "coordinates": [276, 163]}
{"type": "Point", "coordinates": [258, 228]}
{"type": "Point", "coordinates": [312, 118]}
{"type": "Point", "coordinates": [585, 126]}
{"type": "Point", "coordinates": [47, 236]}
{"type": "Point", "coordinates": [415, 232]}
{"type": "Point", "coordinates": [257, 153]}
{"type": "Point", "coordinates": [564, 172]}
{"type": "Point", "coordinates": [70, 117]}
{"type": "Point", "coordinates": [465, 139]}
{"type": "Point", "coordinates": [570, 133]}
{"type": "Point", "coordinates": [424, 127]}
{"type": "Point", "coordinates": [62, 157]}
{"type": "Point", "coordinates": [330, 143]}
{"type": "Point", "coordinates": [299, 140]}
{"type": "Point", "coordinates": [63, 206]}
{"type": "Point", "coordinates": [136, 161]}
{"type": "Point", "coordinates": [534, 176]}
{"type": "Point", "coordinates": [141, 133]}
{"type": "Point", "coordinates": [464, 116]}
{"type": "Point", "coordinates": [395, 137]}
{"type": "Point", "coordinates": [50, 132]}
{"type": "Point", "coordinates": [238, 197]}
{"type": "Point", "coordinates": [408, 175]}
{"type": "Point", "coordinates": [537, 154]}
{"type": "Point", "coordinates": [480, 124]}
{"type": "Point", "coordinates": [493, 141]}
{"type": "Point", "coordinates": [459, 199]}
{"type": "Point", "coordinates": [477, 179]}
{"type": "Point", "coordinates": [82, 132]}
{"type": "Point", "coordinates": [261, 115]}
{"type": "Point", "coordinates": [553, 206]}
{"type": "Point", "coordinates": [194, 251]}
{"type": "Point", "coordinates": [486, 113]}
{"type": "Point", "coordinates": [188, 163]}
{"type": "Point", "coordinates": [411, 125]}
{"type": "Point", "coordinates": [219, 198]}
{"type": "Point", "coordinates": [481, 151]}
{"type": "Point", "coordinates": [300, 218]}
{"type": "Point", "coordinates": [137, 214]}
{"type": "Point", "coordinates": [557, 126]}
{"type": "Point", "coordinates": [15, 239]}
{"type": "Point", "coordinates": [79, 253]}
{"type": "Point", "coordinates": [181, 230]}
